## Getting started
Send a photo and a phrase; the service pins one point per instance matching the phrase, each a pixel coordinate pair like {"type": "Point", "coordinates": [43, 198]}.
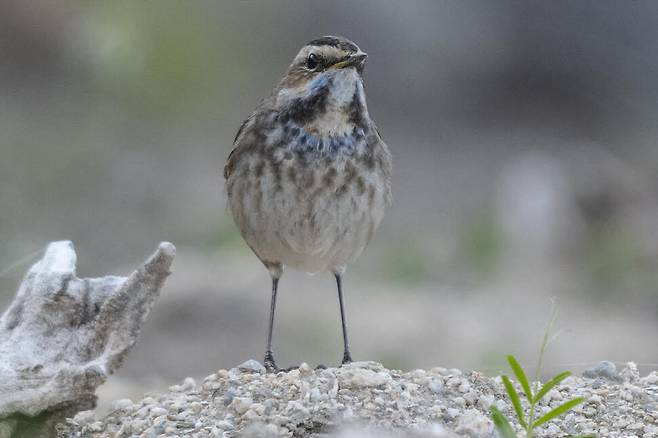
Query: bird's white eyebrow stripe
{"type": "Point", "coordinates": [322, 51]}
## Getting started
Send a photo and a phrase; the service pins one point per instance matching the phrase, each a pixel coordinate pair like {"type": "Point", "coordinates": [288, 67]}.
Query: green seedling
{"type": "Point", "coordinates": [529, 422]}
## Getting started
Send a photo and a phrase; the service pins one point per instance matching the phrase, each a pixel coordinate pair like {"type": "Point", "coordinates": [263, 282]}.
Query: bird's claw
{"type": "Point", "coordinates": [268, 362]}
{"type": "Point", "coordinates": [347, 358]}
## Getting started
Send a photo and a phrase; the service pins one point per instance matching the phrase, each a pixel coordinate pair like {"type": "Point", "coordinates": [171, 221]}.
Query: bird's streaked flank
{"type": "Point", "coordinates": [308, 179]}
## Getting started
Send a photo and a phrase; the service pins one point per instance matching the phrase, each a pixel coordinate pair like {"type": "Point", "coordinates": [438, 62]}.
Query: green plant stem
{"type": "Point", "coordinates": [542, 350]}
{"type": "Point", "coordinates": [531, 419]}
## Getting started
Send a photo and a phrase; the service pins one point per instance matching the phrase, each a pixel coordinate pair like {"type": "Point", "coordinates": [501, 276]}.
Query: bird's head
{"type": "Point", "coordinates": [324, 82]}
{"type": "Point", "coordinates": [324, 57]}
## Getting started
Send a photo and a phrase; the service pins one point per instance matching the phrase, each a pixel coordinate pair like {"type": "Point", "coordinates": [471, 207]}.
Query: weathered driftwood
{"type": "Point", "coordinates": [62, 336]}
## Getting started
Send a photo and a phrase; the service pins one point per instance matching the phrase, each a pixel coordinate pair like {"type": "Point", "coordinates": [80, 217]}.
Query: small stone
{"type": "Point", "coordinates": [554, 394]}
{"type": "Point", "coordinates": [142, 412]}
{"type": "Point", "coordinates": [241, 404]}
{"type": "Point", "coordinates": [604, 369]}
{"type": "Point", "coordinates": [185, 425]}
{"type": "Point", "coordinates": [630, 373]}
{"type": "Point", "coordinates": [552, 430]}
{"type": "Point", "coordinates": [291, 377]}
{"type": "Point", "coordinates": [502, 405]}
{"type": "Point", "coordinates": [251, 415]}
{"type": "Point", "coordinates": [598, 383]}
{"type": "Point", "coordinates": [188, 384]}
{"type": "Point", "coordinates": [485, 401]}
{"type": "Point", "coordinates": [460, 401]}
{"type": "Point", "coordinates": [471, 397]}
{"type": "Point", "coordinates": [464, 387]}
{"type": "Point", "coordinates": [473, 423]}
{"type": "Point", "coordinates": [122, 404]}
{"type": "Point", "coordinates": [252, 366]}
{"type": "Point", "coordinates": [305, 370]}
{"type": "Point", "coordinates": [177, 406]}
{"type": "Point", "coordinates": [225, 425]}
{"type": "Point", "coordinates": [158, 411]}
{"type": "Point", "coordinates": [96, 426]}
{"type": "Point", "coordinates": [436, 386]}
{"type": "Point", "coordinates": [589, 412]}
{"type": "Point", "coordinates": [210, 378]}
{"type": "Point", "coordinates": [258, 408]}
{"type": "Point", "coordinates": [364, 378]}
{"type": "Point", "coordinates": [137, 426]}
{"type": "Point", "coordinates": [228, 397]}
{"type": "Point", "coordinates": [651, 379]}
{"type": "Point", "coordinates": [84, 417]}
{"type": "Point", "coordinates": [315, 395]}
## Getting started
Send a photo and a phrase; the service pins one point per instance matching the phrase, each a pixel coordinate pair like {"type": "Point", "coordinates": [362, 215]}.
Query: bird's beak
{"type": "Point", "coordinates": [353, 60]}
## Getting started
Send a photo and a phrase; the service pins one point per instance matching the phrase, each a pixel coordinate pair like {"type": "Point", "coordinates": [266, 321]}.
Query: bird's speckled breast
{"type": "Point", "coordinates": [314, 204]}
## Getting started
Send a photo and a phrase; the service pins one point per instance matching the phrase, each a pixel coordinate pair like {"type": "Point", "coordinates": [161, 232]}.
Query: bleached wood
{"type": "Point", "coordinates": [62, 335]}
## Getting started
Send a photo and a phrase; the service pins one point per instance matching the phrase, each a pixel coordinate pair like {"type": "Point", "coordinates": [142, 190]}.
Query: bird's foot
{"type": "Point", "coordinates": [347, 358]}
{"type": "Point", "coordinates": [269, 363]}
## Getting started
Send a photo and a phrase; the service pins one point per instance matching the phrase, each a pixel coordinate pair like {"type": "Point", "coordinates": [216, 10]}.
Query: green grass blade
{"type": "Point", "coordinates": [516, 401]}
{"type": "Point", "coordinates": [550, 385]}
{"type": "Point", "coordinates": [502, 425]}
{"type": "Point", "coordinates": [520, 376]}
{"type": "Point", "coordinates": [558, 411]}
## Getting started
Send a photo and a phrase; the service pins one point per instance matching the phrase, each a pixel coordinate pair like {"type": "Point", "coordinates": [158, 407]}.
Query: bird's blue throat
{"type": "Point", "coordinates": [294, 126]}
{"type": "Point", "coordinates": [298, 140]}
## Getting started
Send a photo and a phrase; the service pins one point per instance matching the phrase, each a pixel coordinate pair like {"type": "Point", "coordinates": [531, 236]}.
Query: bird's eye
{"type": "Point", "coordinates": [312, 61]}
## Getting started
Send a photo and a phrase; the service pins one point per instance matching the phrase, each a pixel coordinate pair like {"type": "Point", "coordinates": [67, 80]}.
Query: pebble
{"type": "Point", "coordinates": [436, 386]}
{"type": "Point", "coordinates": [251, 365]}
{"type": "Point", "coordinates": [124, 403]}
{"type": "Point", "coordinates": [604, 369]}
{"type": "Point", "coordinates": [158, 411]}
{"type": "Point", "coordinates": [473, 423]}
{"type": "Point", "coordinates": [464, 387]}
{"type": "Point", "coordinates": [460, 401]}
{"type": "Point", "coordinates": [241, 404]}
{"type": "Point", "coordinates": [452, 412]}
{"type": "Point", "coordinates": [485, 401]}
{"type": "Point", "coordinates": [84, 417]}
{"type": "Point", "coordinates": [315, 395]}
{"type": "Point", "coordinates": [188, 384]}
{"type": "Point", "coordinates": [305, 370]}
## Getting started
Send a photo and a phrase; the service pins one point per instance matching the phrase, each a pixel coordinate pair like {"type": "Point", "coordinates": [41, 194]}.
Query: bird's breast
{"type": "Point", "coordinates": [316, 214]}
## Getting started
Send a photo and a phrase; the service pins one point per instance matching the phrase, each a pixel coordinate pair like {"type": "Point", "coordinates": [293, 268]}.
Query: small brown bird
{"type": "Point", "coordinates": [308, 179]}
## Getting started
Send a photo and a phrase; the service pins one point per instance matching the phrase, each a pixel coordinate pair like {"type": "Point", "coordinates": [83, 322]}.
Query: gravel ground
{"type": "Point", "coordinates": [366, 399]}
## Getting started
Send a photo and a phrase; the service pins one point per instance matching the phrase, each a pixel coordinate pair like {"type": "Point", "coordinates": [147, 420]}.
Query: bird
{"type": "Point", "coordinates": [309, 178]}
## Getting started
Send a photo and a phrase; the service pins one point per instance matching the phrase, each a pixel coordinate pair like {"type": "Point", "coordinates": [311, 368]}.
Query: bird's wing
{"type": "Point", "coordinates": [382, 155]}
{"type": "Point", "coordinates": [237, 145]}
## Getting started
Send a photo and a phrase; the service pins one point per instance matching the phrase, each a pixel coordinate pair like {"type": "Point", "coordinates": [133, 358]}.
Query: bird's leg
{"type": "Point", "coordinates": [347, 356]}
{"type": "Point", "coordinates": [269, 363]}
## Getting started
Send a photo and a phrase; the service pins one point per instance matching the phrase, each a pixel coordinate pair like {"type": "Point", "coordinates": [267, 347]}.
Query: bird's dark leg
{"type": "Point", "coordinates": [269, 363]}
{"type": "Point", "coordinates": [347, 356]}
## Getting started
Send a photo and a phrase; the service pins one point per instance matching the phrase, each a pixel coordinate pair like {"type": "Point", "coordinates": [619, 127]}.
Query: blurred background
{"type": "Point", "coordinates": [525, 174]}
